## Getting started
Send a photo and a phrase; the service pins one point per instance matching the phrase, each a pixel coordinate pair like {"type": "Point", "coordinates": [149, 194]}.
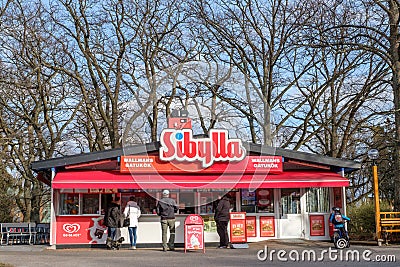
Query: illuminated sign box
{"type": "Point", "coordinates": [250, 164]}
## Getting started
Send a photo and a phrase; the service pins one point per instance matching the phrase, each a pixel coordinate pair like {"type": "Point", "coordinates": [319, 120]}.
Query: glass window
{"type": "Point", "coordinates": [260, 200]}
{"type": "Point", "coordinates": [317, 199]}
{"type": "Point", "coordinates": [69, 204]}
{"type": "Point", "coordinates": [265, 200]}
{"type": "Point", "coordinates": [207, 202]}
{"type": "Point", "coordinates": [146, 200]}
{"type": "Point", "coordinates": [90, 204]}
{"type": "Point", "coordinates": [105, 201]}
{"type": "Point", "coordinates": [290, 201]}
{"type": "Point", "coordinates": [209, 198]}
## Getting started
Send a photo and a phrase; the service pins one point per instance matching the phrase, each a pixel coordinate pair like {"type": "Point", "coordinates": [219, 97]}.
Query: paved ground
{"type": "Point", "coordinates": [279, 253]}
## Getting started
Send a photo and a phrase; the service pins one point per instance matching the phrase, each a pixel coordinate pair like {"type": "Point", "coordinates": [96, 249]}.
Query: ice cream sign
{"type": "Point", "coordinates": [194, 232]}
{"type": "Point", "coordinates": [181, 146]}
{"type": "Point", "coordinates": [71, 230]}
{"type": "Point", "coordinates": [80, 230]}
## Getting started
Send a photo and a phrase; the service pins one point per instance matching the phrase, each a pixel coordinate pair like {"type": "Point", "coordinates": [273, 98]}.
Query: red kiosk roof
{"type": "Point", "coordinates": [114, 179]}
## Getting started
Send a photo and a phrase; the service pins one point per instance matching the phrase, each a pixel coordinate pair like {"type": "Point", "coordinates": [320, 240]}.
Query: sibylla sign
{"type": "Point", "coordinates": [181, 146]}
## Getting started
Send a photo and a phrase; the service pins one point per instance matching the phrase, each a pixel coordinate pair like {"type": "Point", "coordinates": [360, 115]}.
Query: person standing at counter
{"type": "Point", "coordinates": [112, 220]}
{"type": "Point", "coordinates": [166, 208]}
{"type": "Point", "coordinates": [132, 211]}
{"type": "Point", "coordinates": [221, 218]}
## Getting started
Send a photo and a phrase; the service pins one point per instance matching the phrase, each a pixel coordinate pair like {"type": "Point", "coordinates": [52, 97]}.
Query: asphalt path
{"type": "Point", "coordinates": [278, 253]}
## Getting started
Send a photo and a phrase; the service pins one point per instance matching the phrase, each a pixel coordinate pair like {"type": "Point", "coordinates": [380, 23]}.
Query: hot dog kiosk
{"type": "Point", "coordinates": [285, 193]}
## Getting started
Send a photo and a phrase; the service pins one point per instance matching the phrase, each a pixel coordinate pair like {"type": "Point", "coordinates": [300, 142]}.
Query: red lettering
{"type": "Point", "coordinates": [180, 145]}
{"type": "Point", "coordinates": [208, 156]}
{"type": "Point", "coordinates": [190, 146]}
{"type": "Point", "coordinates": [168, 150]}
{"type": "Point", "coordinates": [220, 150]}
{"type": "Point", "coordinates": [179, 152]}
{"type": "Point", "coordinates": [234, 150]}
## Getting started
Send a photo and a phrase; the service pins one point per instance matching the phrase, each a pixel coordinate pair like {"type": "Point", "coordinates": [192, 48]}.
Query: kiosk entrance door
{"type": "Point", "coordinates": [291, 222]}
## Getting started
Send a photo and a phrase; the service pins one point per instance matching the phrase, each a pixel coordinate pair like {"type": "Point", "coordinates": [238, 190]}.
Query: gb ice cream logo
{"type": "Point", "coordinates": [71, 227]}
{"type": "Point", "coordinates": [180, 145]}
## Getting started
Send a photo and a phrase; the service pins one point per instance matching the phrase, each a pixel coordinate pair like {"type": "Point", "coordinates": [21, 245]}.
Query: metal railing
{"type": "Point", "coordinates": [24, 233]}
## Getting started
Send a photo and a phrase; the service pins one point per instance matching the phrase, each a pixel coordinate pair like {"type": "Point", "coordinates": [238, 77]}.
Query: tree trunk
{"type": "Point", "coordinates": [396, 177]}
{"type": "Point", "coordinates": [394, 51]}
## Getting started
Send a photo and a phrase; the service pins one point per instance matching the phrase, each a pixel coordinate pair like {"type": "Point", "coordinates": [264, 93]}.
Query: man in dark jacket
{"type": "Point", "coordinates": [112, 220]}
{"type": "Point", "coordinates": [221, 218]}
{"type": "Point", "coordinates": [166, 208]}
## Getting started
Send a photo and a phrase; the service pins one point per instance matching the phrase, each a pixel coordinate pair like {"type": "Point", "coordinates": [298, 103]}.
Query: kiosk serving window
{"type": "Point", "coordinates": [146, 200]}
{"type": "Point", "coordinates": [84, 202]}
{"type": "Point", "coordinates": [317, 199]}
{"type": "Point", "coordinates": [208, 198]}
{"type": "Point", "coordinates": [69, 203]}
{"type": "Point", "coordinates": [260, 200]}
{"type": "Point", "coordinates": [90, 203]}
{"type": "Point", "coordinates": [77, 203]}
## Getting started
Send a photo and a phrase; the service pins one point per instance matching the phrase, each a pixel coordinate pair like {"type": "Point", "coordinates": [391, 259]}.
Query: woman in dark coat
{"type": "Point", "coordinates": [112, 220]}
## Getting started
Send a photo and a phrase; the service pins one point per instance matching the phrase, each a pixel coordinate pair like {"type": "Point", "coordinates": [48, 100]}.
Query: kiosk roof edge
{"type": "Point", "coordinates": [336, 163]}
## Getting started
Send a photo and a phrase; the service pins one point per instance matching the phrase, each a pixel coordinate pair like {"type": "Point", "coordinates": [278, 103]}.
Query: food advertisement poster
{"type": "Point", "coordinates": [251, 230]}
{"type": "Point", "coordinates": [194, 232]}
{"type": "Point", "coordinates": [81, 230]}
{"type": "Point", "coordinates": [248, 197]}
{"type": "Point", "coordinates": [337, 193]}
{"type": "Point", "coordinates": [267, 226]}
{"type": "Point", "coordinates": [317, 226]}
{"type": "Point", "coordinates": [264, 200]}
{"type": "Point", "coordinates": [238, 227]}
{"type": "Point", "coordinates": [194, 238]}
{"type": "Point", "coordinates": [263, 197]}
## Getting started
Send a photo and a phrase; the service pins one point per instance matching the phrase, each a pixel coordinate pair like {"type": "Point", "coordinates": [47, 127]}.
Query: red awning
{"type": "Point", "coordinates": [114, 179]}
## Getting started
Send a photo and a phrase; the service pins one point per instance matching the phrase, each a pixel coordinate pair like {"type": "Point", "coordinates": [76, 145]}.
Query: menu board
{"type": "Point", "coordinates": [248, 197]}
{"type": "Point", "coordinates": [237, 227]}
{"type": "Point", "coordinates": [267, 226]}
{"type": "Point", "coordinates": [317, 225]}
{"type": "Point", "coordinates": [251, 230]}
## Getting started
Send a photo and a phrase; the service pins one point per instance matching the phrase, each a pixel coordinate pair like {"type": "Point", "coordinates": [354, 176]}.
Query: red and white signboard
{"type": "Point", "coordinates": [317, 225]}
{"type": "Point", "coordinates": [194, 232]}
{"type": "Point", "coordinates": [249, 165]}
{"type": "Point", "coordinates": [251, 226]}
{"type": "Point", "coordinates": [181, 146]}
{"type": "Point", "coordinates": [267, 226]}
{"type": "Point", "coordinates": [238, 227]}
{"type": "Point", "coordinates": [81, 230]}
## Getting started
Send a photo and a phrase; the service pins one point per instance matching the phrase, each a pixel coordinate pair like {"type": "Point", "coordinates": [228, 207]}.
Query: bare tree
{"type": "Point", "coordinates": [256, 37]}
{"type": "Point", "coordinates": [372, 26]}
{"type": "Point", "coordinates": [34, 104]}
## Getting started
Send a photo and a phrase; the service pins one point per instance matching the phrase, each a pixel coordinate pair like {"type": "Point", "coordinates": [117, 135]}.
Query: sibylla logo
{"type": "Point", "coordinates": [180, 145]}
{"type": "Point", "coordinates": [71, 227]}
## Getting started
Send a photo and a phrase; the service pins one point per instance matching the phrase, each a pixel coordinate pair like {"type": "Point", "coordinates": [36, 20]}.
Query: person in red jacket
{"type": "Point", "coordinates": [221, 218]}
